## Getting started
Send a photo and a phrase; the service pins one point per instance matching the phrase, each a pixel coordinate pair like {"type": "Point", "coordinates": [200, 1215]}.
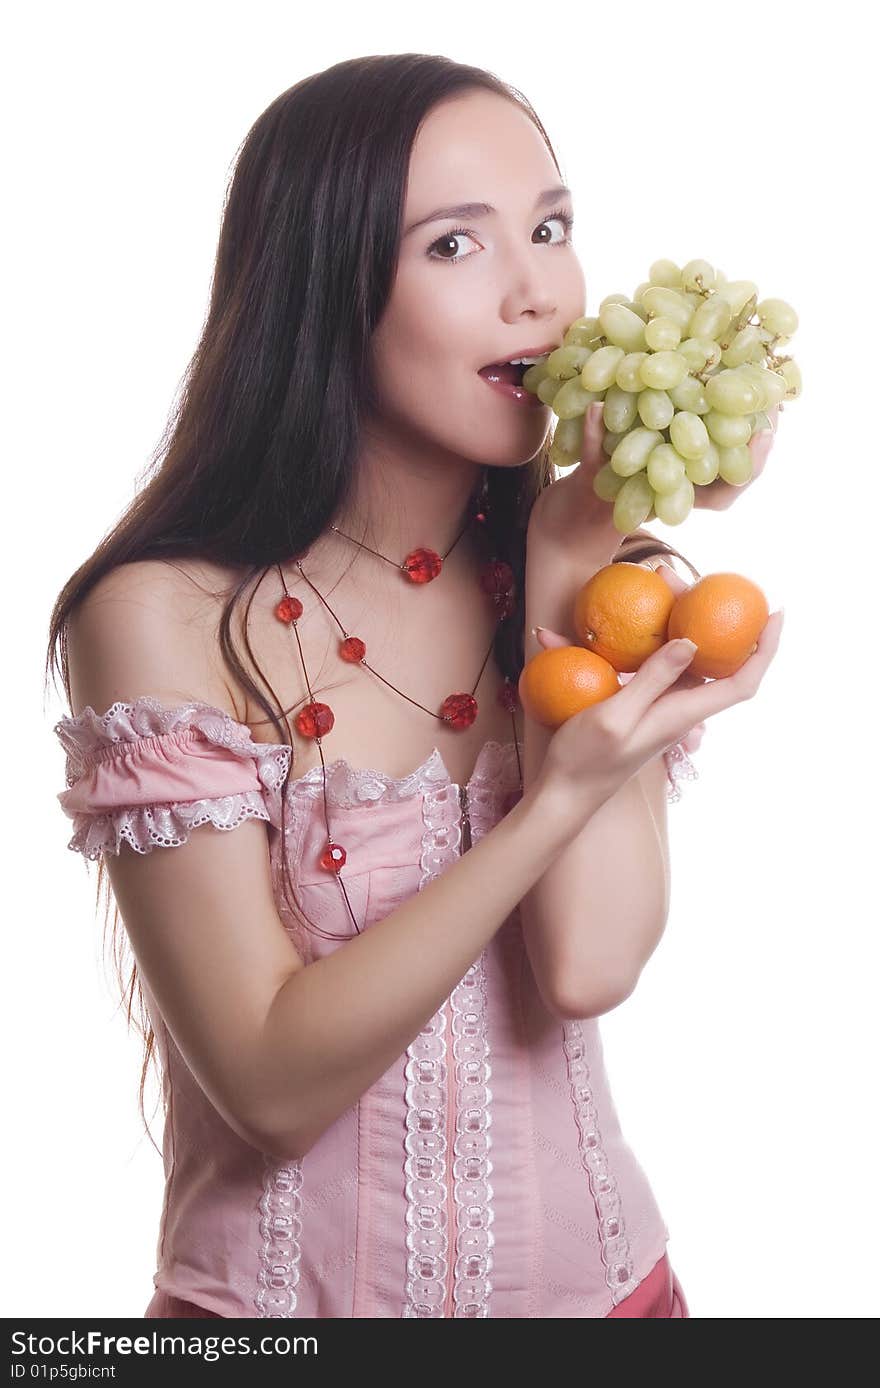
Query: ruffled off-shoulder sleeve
{"type": "Point", "coordinates": [147, 774]}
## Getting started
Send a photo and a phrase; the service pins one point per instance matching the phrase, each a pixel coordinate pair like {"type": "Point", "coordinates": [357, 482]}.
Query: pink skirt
{"type": "Point", "coordinates": [659, 1294]}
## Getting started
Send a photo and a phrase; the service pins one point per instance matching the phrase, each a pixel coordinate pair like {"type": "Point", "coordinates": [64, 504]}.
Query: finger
{"type": "Point", "coordinates": [549, 639]}
{"type": "Point", "coordinates": [684, 708]}
{"type": "Point", "coordinates": [592, 453]}
{"type": "Point", "coordinates": [672, 579]}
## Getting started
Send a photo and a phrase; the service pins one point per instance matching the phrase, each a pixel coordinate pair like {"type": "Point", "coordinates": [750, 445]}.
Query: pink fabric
{"type": "Point", "coordinates": [660, 1295]}
{"type": "Point", "coordinates": [178, 766]}
{"type": "Point", "coordinates": [485, 1173]}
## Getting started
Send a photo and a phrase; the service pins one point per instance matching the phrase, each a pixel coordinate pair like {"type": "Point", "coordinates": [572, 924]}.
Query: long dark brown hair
{"type": "Point", "coordinates": [259, 452]}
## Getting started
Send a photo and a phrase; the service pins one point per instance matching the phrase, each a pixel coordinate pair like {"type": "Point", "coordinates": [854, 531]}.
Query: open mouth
{"type": "Point", "coordinates": [509, 372]}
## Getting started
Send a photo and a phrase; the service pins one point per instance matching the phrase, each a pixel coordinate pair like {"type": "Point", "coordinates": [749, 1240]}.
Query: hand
{"type": "Point", "coordinates": [596, 751]}
{"type": "Point", "coordinates": [548, 639]}
{"type": "Point", "coordinates": [569, 516]}
{"type": "Point", "coordinates": [718, 495]}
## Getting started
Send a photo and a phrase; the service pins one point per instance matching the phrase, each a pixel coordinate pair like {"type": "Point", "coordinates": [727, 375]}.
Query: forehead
{"type": "Point", "coordinates": [477, 146]}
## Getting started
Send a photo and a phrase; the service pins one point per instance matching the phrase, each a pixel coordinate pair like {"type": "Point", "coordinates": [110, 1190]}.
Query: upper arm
{"type": "Point", "coordinates": [201, 917]}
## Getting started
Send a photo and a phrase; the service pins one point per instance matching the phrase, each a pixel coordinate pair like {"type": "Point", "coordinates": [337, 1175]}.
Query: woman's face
{"type": "Point", "coordinates": [512, 283]}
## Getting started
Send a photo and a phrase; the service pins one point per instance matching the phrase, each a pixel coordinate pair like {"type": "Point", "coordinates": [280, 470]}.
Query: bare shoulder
{"type": "Point", "coordinates": [151, 627]}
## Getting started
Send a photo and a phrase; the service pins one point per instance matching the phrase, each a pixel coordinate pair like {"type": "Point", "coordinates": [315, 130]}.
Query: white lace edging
{"type": "Point", "coordinates": [281, 1229]}
{"type": "Point", "coordinates": [145, 827]}
{"type": "Point", "coordinates": [679, 768]}
{"type": "Point", "coordinates": [89, 736]}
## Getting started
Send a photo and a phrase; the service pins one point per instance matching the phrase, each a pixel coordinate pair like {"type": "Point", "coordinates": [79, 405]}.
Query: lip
{"type": "Point", "coordinates": [523, 352]}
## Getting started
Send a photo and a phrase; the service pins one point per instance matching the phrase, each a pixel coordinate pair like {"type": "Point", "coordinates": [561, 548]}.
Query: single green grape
{"type": "Point", "coordinates": [548, 388]}
{"type": "Point", "coordinates": [662, 334]}
{"type": "Point", "coordinates": [637, 296]}
{"type": "Point", "coordinates": [731, 392]}
{"type": "Point", "coordinates": [666, 468]}
{"type": "Point", "coordinates": [690, 395]}
{"type": "Point", "coordinates": [655, 408]}
{"type": "Point", "coordinates": [632, 453]}
{"type": "Point", "coordinates": [687, 433]}
{"type": "Point", "coordinates": [628, 372]}
{"type": "Point", "coordinates": [622, 327]}
{"type": "Point", "coordinates": [704, 469]}
{"type": "Point", "coordinates": [610, 441]}
{"type": "Point", "coordinates": [673, 507]}
{"type": "Point", "coordinates": [712, 317]}
{"type": "Point", "coordinates": [534, 375]}
{"type": "Point", "coordinates": [621, 409]}
{"type": "Point", "coordinates": [742, 347]}
{"type": "Point", "coordinates": [665, 273]}
{"type": "Point", "coordinates": [728, 430]}
{"type": "Point", "coordinates": [662, 370]}
{"type": "Point", "coordinates": [565, 362]}
{"type": "Point", "coordinates": [600, 371]}
{"type": "Point", "coordinates": [633, 504]}
{"type": "Point", "coordinates": [777, 316]}
{"type": "Point", "coordinates": [695, 351]}
{"type": "Point", "coordinates": [669, 303]}
{"type": "Point", "coordinates": [572, 398]}
{"type": "Point", "coordinates": [612, 299]}
{"type": "Point", "coordinates": [607, 483]}
{"type": "Point", "coordinates": [568, 436]}
{"type": "Point", "coordinates": [583, 332]}
{"type": "Point", "coordinates": [698, 274]}
{"type": "Point", "coordinates": [735, 465]}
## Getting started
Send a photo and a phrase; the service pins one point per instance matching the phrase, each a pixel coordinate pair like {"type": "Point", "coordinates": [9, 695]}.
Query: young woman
{"type": "Point", "coordinates": [375, 991]}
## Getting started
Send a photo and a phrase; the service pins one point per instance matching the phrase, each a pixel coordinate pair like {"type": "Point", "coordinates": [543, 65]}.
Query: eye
{"type": "Point", "coordinates": [560, 215]}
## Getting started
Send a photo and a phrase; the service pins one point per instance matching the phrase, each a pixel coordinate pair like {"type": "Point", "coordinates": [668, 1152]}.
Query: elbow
{"type": "Point", "coordinates": [581, 1005]}
{"type": "Point", "coordinates": [280, 1145]}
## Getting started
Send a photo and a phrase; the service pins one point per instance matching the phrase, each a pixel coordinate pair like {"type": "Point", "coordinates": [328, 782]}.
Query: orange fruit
{"type": "Point", "coordinates": [724, 614]}
{"type": "Point", "coordinates": [559, 682]}
{"type": "Point", "coordinates": [621, 614]}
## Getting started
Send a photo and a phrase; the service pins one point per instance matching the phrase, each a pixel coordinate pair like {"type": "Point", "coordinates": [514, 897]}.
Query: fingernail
{"type": "Point", "coordinates": [686, 647]}
{"type": "Point", "coordinates": [535, 630]}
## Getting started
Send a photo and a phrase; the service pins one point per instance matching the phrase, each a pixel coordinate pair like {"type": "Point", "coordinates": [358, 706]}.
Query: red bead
{"type": "Point", "coordinates": [333, 857]}
{"type": "Point", "coordinates": [459, 711]}
{"type": "Point", "coordinates": [496, 577]}
{"type": "Point", "coordinates": [422, 565]}
{"type": "Point", "coordinates": [352, 649]}
{"type": "Point", "coordinates": [508, 697]}
{"type": "Point", "coordinates": [289, 609]}
{"type": "Point", "coordinates": [314, 720]}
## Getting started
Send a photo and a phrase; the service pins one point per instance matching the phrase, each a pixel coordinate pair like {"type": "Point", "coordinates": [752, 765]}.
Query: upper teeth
{"type": "Point", "coordinates": [523, 361]}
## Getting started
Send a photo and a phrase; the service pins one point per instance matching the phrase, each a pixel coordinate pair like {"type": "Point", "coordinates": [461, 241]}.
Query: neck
{"type": "Point", "coordinates": [404, 499]}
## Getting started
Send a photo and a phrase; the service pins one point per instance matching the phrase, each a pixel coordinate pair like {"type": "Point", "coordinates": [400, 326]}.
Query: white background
{"type": "Point", "coordinates": [744, 1065]}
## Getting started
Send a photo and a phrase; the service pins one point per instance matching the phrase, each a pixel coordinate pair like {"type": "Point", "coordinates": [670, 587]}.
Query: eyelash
{"type": "Point", "coordinates": [565, 217]}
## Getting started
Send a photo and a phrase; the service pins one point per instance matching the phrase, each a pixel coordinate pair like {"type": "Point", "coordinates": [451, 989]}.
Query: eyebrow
{"type": "Point", "coordinates": [484, 209]}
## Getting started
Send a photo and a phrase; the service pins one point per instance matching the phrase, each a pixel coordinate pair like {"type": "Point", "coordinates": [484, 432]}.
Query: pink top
{"type": "Point", "coordinates": [485, 1173]}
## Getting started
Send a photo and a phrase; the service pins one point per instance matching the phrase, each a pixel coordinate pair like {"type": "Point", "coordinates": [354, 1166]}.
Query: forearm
{"type": "Point", "coordinates": [338, 1024]}
{"type": "Point", "coordinates": [593, 919]}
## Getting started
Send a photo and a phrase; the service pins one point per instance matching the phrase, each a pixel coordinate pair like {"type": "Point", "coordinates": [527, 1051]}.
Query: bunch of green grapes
{"type": "Point", "coordinates": [687, 369]}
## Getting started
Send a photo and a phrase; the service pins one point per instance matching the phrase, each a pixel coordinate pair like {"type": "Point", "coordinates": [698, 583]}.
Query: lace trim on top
{"type": "Point", "coordinates": [147, 727]}
{"type": "Point", "coordinates": [447, 1147]}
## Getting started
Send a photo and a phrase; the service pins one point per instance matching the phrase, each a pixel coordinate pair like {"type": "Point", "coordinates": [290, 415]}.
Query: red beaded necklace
{"type": "Point", "coordinates": [457, 711]}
